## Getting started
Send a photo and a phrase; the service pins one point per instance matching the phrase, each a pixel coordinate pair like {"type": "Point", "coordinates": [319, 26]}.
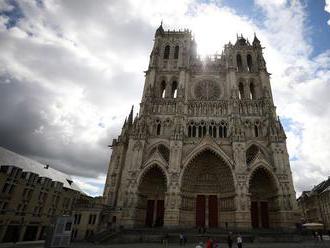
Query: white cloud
{"type": "Point", "coordinates": [327, 8]}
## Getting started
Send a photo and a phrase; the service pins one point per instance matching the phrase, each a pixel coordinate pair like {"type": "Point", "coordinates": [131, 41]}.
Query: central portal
{"type": "Point", "coordinates": [207, 180]}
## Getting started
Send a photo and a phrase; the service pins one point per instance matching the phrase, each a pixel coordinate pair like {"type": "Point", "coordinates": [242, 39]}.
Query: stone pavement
{"type": "Point", "coordinates": [325, 244]}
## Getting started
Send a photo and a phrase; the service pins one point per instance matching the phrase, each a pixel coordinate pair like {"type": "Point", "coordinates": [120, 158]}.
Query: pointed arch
{"type": "Point", "coordinates": [162, 148]}
{"type": "Point", "coordinates": [162, 89]}
{"type": "Point", "coordinates": [208, 145]}
{"type": "Point", "coordinates": [174, 90]}
{"type": "Point", "coordinates": [214, 149]}
{"type": "Point", "coordinates": [176, 52]}
{"type": "Point", "coordinates": [149, 166]}
{"type": "Point", "coordinates": [252, 90]}
{"type": "Point", "coordinates": [241, 90]}
{"type": "Point", "coordinates": [264, 190]}
{"type": "Point", "coordinates": [239, 62]}
{"type": "Point", "coordinates": [167, 52]}
{"type": "Point", "coordinates": [249, 62]}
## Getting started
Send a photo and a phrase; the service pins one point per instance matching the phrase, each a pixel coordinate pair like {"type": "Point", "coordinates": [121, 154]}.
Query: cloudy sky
{"type": "Point", "coordinates": [70, 70]}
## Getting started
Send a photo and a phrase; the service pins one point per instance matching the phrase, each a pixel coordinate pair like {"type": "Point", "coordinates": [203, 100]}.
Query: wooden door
{"type": "Point", "coordinates": [160, 213]}
{"type": "Point", "coordinates": [200, 211]}
{"type": "Point", "coordinates": [150, 213]}
{"type": "Point", "coordinates": [213, 211]}
{"type": "Point", "coordinates": [254, 214]}
{"type": "Point", "coordinates": [264, 214]}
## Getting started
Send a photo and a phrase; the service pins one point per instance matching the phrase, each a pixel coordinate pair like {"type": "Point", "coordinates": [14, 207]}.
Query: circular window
{"type": "Point", "coordinates": [207, 90]}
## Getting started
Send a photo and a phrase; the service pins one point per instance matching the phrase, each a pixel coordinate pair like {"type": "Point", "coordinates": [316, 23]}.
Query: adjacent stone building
{"type": "Point", "coordinates": [91, 216]}
{"type": "Point", "coordinates": [31, 195]}
{"type": "Point", "coordinates": [207, 148]}
{"type": "Point", "coordinates": [315, 204]}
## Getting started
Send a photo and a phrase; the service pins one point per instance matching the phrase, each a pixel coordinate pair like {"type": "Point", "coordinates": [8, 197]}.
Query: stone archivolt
{"type": "Point", "coordinates": [206, 148]}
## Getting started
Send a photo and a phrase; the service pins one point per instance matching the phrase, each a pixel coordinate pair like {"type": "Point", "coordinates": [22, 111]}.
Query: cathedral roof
{"type": "Point", "coordinates": [9, 158]}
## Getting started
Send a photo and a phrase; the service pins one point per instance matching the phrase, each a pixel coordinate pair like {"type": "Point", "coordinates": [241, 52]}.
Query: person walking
{"type": "Point", "coordinates": [239, 241]}
{"type": "Point", "coordinates": [200, 245]}
{"type": "Point", "coordinates": [209, 243]}
{"type": "Point", "coordinates": [165, 240]}
{"type": "Point", "coordinates": [181, 238]}
{"type": "Point", "coordinates": [230, 240]}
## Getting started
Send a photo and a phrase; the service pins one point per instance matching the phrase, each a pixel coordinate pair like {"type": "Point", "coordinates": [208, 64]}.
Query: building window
{"type": "Point", "coordinates": [5, 188]}
{"type": "Point", "coordinates": [252, 91]}
{"type": "Point", "coordinates": [240, 90]}
{"type": "Point", "coordinates": [167, 52]}
{"type": "Point", "coordinates": [162, 89]}
{"type": "Point", "coordinates": [158, 129]}
{"type": "Point", "coordinates": [92, 219]}
{"type": "Point", "coordinates": [174, 89]}
{"type": "Point", "coordinates": [176, 52]}
{"type": "Point", "coordinates": [249, 62]}
{"type": "Point", "coordinates": [239, 62]}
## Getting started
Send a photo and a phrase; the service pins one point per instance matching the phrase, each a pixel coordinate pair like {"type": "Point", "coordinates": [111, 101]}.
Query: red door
{"type": "Point", "coordinates": [160, 213]}
{"type": "Point", "coordinates": [254, 214]}
{"type": "Point", "coordinates": [213, 211]}
{"type": "Point", "coordinates": [200, 211]}
{"type": "Point", "coordinates": [150, 213]}
{"type": "Point", "coordinates": [264, 214]}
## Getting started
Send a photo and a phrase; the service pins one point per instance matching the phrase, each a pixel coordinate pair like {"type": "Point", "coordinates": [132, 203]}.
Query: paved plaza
{"type": "Point", "coordinates": [222, 245]}
{"type": "Point", "coordinates": [189, 245]}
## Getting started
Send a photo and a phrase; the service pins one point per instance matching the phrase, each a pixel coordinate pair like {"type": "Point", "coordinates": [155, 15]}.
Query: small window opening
{"type": "Point", "coordinates": [176, 52]}
{"type": "Point", "coordinates": [167, 52]}
{"type": "Point", "coordinates": [249, 62]}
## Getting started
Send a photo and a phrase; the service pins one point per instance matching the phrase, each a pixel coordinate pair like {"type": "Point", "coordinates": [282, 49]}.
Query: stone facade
{"type": "Point", "coordinates": [206, 148]}
{"type": "Point", "coordinates": [315, 204]}
{"type": "Point", "coordinates": [91, 217]}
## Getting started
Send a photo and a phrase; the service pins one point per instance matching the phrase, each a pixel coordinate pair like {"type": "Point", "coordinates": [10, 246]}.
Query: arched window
{"type": "Point", "coordinates": [176, 52]}
{"type": "Point", "coordinates": [214, 132]}
{"type": "Point", "coordinates": [194, 131]}
{"type": "Point", "coordinates": [158, 128]}
{"type": "Point", "coordinates": [200, 133]}
{"type": "Point", "coordinates": [167, 52]}
{"type": "Point", "coordinates": [174, 89]}
{"type": "Point", "coordinates": [162, 89]}
{"type": "Point", "coordinates": [189, 131]}
{"type": "Point", "coordinates": [252, 91]}
{"type": "Point", "coordinates": [204, 130]}
{"type": "Point", "coordinates": [256, 130]}
{"type": "Point", "coordinates": [223, 129]}
{"type": "Point", "coordinates": [249, 62]}
{"type": "Point", "coordinates": [240, 90]}
{"type": "Point", "coordinates": [239, 62]}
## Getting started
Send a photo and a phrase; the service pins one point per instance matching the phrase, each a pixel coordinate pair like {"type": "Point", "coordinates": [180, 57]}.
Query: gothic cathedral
{"type": "Point", "coordinates": [207, 148]}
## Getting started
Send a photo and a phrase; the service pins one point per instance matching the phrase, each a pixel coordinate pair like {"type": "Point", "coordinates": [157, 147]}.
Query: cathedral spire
{"type": "Point", "coordinates": [130, 117]}
{"type": "Point", "coordinates": [256, 41]}
{"type": "Point", "coordinates": [160, 30]}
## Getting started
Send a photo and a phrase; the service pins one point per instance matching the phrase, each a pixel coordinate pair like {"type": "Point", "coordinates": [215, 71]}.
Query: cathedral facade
{"type": "Point", "coordinates": [207, 148]}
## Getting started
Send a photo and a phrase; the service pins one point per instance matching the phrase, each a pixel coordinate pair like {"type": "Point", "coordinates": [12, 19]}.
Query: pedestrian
{"type": "Point", "coordinates": [209, 243]}
{"type": "Point", "coordinates": [230, 240]}
{"type": "Point", "coordinates": [181, 238]}
{"type": "Point", "coordinates": [239, 241]}
{"type": "Point", "coordinates": [184, 239]}
{"type": "Point", "coordinates": [200, 245]}
{"type": "Point", "coordinates": [216, 244]}
{"type": "Point", "coordinates": [321, 235]}
{"type": "Point", "coordinates": [165, 240]}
